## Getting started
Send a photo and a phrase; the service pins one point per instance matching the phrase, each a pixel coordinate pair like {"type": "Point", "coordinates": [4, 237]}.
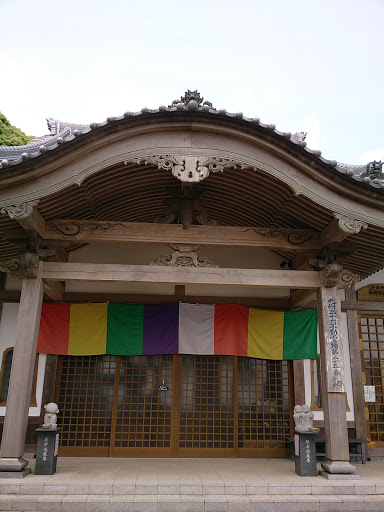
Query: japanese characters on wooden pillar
{"type": "Point", "coordinates": [333, 378]}
{"type": "Point", "coordinates": [333, 345]}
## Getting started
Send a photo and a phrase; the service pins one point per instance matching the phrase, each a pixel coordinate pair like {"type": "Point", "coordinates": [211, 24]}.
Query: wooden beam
{"type": "Point", "coordinates": [34, 222]}
{"type": "Point", "coordinates": [300, 298]}
{"type": "Point", "coordinates": [299, 381]}
{"type": "Point", "coordinates": [84, 231]}
{"type": "Point", "coordinates": [363, 306]}
{"type": "Point", "coordinates": [60, 255]}
{"type": "Point", "coordinates": [54, 290]}
{"type": "Point", "coordinates": [332, 234]}
{"type": "Point", "coordinates": [261, 302]}
{"type": "Point", "coordinates": [294, 302]}
{"type": "Point", "coordinates": [339, 229]}
{"type": "Point", "coordinates": [175, 275]}
{"type": "Point", "coordinates": [179, 291]}
{"type": "Point", "coordinates": [301, 260]}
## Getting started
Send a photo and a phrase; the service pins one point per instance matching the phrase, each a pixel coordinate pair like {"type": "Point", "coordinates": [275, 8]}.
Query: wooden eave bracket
{"type": "Point", "coordinates": [27, 215]}
{"type": "Point", "coordinates": [340, 228]}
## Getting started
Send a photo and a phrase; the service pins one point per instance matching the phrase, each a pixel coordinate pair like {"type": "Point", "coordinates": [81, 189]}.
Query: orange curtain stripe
{"type": "Point", "coordinates": [231, 330]}
{"type": "Point", "coordinates": [54, 329]}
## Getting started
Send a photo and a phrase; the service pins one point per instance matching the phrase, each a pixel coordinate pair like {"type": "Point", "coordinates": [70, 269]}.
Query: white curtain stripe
{"type": "Point", "coordinates": [196, 329]}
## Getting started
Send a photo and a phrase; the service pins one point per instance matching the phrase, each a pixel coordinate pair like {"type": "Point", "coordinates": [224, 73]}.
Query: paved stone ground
{"type": "Point", "coordinates": [190, 485]}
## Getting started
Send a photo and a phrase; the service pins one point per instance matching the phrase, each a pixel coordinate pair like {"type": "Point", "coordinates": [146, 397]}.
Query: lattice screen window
{"type": "Point", "coordinates": [372, 335]}
{"type": "Point", "coordinates": [263, 403]}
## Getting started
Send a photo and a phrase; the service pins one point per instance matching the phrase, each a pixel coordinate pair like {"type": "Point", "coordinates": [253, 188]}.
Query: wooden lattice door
{"type": "Point", "coordinates": [207, 407]}
{"type": "Point", "coordinates": [372, 346]}
{"type": "Point", "coordinates": [174, 406]}
{"type": "Point", "coordinates": [84, 393]}
{"type": "Point", "coordinates": [264, 407]}
{"type": "Point", "coordinates": [143, 407]}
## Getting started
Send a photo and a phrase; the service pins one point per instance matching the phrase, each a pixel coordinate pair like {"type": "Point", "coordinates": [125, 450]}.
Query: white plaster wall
{"type": "Point", "coordinates": [142, 254]}
{"type": "Point", "coordinates": [7, 339]}
{"type": "Point", "coordinates": [13, 283]}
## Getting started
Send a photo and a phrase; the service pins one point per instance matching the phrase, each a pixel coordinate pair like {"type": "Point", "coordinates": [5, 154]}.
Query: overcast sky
{"type": "Point", "coordinates": [304, 65]}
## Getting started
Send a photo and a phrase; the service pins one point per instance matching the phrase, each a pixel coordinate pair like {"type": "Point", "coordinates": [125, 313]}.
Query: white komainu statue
{"type": "Point", "coordinates": [303, 417]}
{"type": "Point", "coordinates": [50, 416]}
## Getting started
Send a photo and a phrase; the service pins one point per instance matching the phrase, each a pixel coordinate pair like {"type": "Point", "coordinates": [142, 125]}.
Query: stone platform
{"type": "Point", "coordinates": [190, 485]}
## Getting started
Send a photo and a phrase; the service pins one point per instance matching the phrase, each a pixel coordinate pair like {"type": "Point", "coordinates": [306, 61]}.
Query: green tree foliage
{"type": "Point", "coordinates": [10, 135]}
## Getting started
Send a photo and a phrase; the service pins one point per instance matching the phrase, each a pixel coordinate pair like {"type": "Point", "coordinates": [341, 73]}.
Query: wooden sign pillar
{"type": "Point", "coordinates": [333, 377]}
{"type": "Point", "coordinates": [20, 383]}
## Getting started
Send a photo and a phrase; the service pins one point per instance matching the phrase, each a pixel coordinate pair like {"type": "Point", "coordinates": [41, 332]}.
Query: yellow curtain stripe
{"type": "Point", "coordinates": [265, 334]}
{"type": "Point", "coordinates": [88, 329]}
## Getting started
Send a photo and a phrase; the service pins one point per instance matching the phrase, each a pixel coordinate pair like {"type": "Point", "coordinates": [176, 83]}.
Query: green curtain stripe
{"type": "Point", "coordinates": [125, 329]}
{"type": "Point", "coordinates": [300, 334]}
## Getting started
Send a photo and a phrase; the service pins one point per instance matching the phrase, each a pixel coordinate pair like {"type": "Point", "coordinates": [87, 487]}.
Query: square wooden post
{"type": "Point", "coordinates": [356, 367]}
{"type": "Point", "coordinates": [333, 382]}
{"type": "Point", "coordinates": [20, 383]}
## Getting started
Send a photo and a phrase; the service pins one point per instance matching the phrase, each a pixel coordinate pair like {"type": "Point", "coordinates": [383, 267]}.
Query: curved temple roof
{"type": "Point", "coordinates": [371, 173]}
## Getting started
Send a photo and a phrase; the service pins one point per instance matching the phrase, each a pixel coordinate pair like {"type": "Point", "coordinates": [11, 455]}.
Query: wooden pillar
{"type": "Point", "coordinates": [356, 369]}
{"type": "Point", "coordinates": [298, 381]}
{"type": "Point", "coordinates": [20, 384]}
{"type": "Point", "coordinates": [333, 379]}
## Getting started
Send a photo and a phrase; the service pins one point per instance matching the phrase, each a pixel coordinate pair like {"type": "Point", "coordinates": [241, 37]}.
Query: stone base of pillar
{"type": "Point", "coordinates": [12, 464]}
{"type": "Point", "coordinates": [15, 474]}
{"type": "Point", "coordinates": [338, 470]}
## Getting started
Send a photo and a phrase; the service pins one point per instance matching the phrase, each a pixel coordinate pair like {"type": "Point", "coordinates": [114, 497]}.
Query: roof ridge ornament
{"type": "Point", "coordinates": [192, 99]}
{"type": "Point", "coordinates": [375, 170]}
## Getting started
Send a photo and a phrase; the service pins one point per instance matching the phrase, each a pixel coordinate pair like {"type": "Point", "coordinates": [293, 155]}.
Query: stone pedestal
{"type": "Point", "coordinates": [305, 453]}
{"type": "Point", "coordinates": [338, 470]}
{"type": "Point", "coordinates": [47, 447]}
{"type": "Point", "coordinates": [14, 467]}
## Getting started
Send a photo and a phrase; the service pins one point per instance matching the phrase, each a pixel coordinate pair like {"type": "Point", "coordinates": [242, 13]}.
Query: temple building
{"type": "Point", "coordinates": [177, 279]}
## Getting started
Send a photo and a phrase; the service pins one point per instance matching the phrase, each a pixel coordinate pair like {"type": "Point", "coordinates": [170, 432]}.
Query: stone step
{"type": "Point", "coordinates": [33, 485]}
{"type": "Point", "coordinates": [190, 503]}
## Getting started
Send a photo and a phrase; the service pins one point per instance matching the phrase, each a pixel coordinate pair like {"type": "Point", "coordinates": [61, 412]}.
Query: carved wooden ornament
{"type": "Point", "coordinates": [24, 266]}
